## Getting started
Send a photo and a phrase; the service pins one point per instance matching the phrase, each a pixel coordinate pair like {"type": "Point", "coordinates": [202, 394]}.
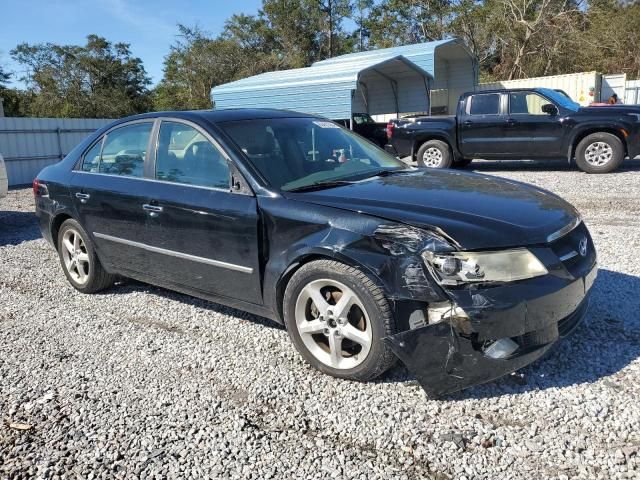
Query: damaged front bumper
{"type": "Point", "coordinates": [529, 317]}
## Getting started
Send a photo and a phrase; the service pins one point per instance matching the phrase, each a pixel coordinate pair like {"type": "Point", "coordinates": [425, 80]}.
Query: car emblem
{"type": "Point", "coordinates": [582, 247]}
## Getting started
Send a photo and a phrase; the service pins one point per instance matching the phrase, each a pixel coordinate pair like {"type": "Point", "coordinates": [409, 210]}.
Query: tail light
{"type": "Point", "coordinates": [390, 130]}
{"type": "Point", "coordinates": [36, 188]}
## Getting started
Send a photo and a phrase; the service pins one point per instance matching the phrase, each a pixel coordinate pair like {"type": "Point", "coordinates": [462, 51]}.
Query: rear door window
{"type": "Point", "coordinates": [125, 149]}
{"type": "Point", "coordinates": [488, 104]}
{"type": "Point", "coordinates": [184, 155]}
{"type": "Point", "coordinates": [91, 162]}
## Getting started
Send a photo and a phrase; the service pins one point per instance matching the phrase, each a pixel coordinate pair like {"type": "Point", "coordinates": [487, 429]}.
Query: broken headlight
{"type": "Point", "coordinates": [453, 268]}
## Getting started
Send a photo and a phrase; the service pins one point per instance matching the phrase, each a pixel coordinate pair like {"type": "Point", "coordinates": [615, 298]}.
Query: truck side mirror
{"type": "Point", "coordinates": [550, 109]}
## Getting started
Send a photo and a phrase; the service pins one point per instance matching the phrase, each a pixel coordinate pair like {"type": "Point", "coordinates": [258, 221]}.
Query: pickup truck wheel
{"type": "Point", "coordinates": [599, 153]}
{"type": "Point", "coordinates": [337, 317]}
{"type": "Point", "coordinates": [434, 154]}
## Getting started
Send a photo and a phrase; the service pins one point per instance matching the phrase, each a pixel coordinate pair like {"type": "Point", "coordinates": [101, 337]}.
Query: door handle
{"type": "Point", "coordinates": [83, 197]}
{"type": "Point", "coordinates": [154, 210]}
{"type": "Point", "coordinates": [511, 122]}
{"type": "Point", "coordinates": [468, 123]}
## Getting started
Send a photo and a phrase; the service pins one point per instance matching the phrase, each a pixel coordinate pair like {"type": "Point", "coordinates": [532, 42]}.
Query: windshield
{"type": "Point", "coordinates": [362, 118]}
{"type": "Point", "coordinates": [560, 99]}
{"type": "Point", "coordinates": [293, 153]}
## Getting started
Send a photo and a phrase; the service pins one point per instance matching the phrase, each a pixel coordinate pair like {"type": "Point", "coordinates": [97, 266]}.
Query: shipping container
{"type": "Point", "coordinates": [583, 88]}
{"type": "Point", "coordinates": [632, 92]}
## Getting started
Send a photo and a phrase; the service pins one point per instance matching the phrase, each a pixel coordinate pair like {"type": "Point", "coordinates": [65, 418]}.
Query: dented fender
{"type": "Point", "coordinates": [389, 252]}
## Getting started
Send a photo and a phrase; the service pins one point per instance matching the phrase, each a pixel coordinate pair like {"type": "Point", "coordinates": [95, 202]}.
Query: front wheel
{"type": "Point", "coordinates": [337, 317]}
{"type": "Point", "coordinates": [79, 260]}
{"type": "Point", "coordinates": [434, 154]}
{"type": "Point", "coordinates": [599, 153]}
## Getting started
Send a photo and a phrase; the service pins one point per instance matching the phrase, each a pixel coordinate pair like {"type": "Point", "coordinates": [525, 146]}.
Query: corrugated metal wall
{"type": "Point", "coordinates": [30, 144]}
{"type": "Point", "coordinates": [613, 83]}
{"type": "Point", "coordinates": [330, 100]}
{"type": "Point", "coordinates": [583, 88]}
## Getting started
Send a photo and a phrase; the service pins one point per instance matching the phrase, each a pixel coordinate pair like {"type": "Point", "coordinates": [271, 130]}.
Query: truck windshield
{"type": "Point", "coordinates": [560, 99]}
{"type": "Point", "coordinates": [362, 118]}
{"type": "Point", "coordinates": [293, 153]}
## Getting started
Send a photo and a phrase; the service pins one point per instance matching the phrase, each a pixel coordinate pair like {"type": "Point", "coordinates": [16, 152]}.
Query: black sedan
{"type": "Point", "coordinates": [463, 277]}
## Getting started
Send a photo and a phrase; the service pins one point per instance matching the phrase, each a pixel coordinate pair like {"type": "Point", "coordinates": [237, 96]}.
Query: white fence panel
{"type": "Point", "coordinates": [30, 144]}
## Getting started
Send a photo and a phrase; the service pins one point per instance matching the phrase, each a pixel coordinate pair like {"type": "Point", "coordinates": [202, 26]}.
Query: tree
{"type": "Point", "coordinates": [476, 23]}
{"type": "Point", "coordinates": [361, 11]}
{"type": "Point", "coordinates": [194, 65]}
{"type": "Point", "coordinates": [609, 41]}
{"type": "Point", "coordinates": [296, 27]}
{"type": "Point", "coordinates": [4, 77]}
{"type": "Point", "coordinates": [534, 32]}
{"type": "Point", "coordinates": [333, 13]}
{"type": "Point", "coordinates": [402, 22]}
{"type": "Point", "coordinates": [99, 79]}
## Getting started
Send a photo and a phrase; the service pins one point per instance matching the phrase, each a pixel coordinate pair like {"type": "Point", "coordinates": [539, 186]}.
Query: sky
{"type": "Point", "coordinates": [148, 25]}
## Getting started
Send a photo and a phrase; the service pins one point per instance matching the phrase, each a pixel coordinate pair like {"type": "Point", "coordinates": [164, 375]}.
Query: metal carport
{"type": "Point", "coordinates": [380, 85]}
{"type": "Point", "coordinates": [452, 65]}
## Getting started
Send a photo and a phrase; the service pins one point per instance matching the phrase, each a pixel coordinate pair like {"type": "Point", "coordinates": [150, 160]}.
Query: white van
{"type": "Point", "coordinates": [4, 183]}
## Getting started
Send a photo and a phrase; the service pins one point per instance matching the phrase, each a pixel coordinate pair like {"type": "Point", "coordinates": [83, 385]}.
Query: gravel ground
{"type": "Point", "coordinates": [142, 382]}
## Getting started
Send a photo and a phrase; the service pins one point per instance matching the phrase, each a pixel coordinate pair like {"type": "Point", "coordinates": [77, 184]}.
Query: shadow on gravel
{"type": "Point", "coordinates": [129, 286]}
{"type": "Point", "coordinates": [541, 165]}
{"type": "Point", "coordinates": [607, 341]}
{"type": "Point", "coordinates": [18, 227]}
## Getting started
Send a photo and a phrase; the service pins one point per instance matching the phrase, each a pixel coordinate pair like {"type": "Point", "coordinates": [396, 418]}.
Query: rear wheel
{"type": "Point", "coordinates": [434, 154]}
{"type": "Point", "coordinates": [336, 317]}
{"type": "Point", "coordinates": [599, 153]}
{"type": "Point", "coordinates": [79, 260]}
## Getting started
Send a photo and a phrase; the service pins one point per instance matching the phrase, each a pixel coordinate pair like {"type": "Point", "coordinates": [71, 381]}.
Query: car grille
{"type": "Point", "coordinates": [567, 248]}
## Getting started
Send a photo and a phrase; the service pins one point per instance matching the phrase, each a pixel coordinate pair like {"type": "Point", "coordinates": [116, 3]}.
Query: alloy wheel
{"type": "Point", "coordinates": [432, 157]}
{"type": "Point", "coordinates": [75, 256]}
{"type": "Point", "coordinates": [333, 324]}
{"type": "Point", "coordinates": [598, 154]}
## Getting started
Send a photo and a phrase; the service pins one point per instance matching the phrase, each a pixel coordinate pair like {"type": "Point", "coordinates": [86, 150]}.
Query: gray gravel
{"type": "Point", "coordinates": [143, 382]}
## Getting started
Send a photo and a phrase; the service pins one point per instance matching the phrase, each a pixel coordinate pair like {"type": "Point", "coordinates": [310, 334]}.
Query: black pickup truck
{"type": "Point", "coordinates": [367, 127]}
{"type": "Point", "coordinates": [537, 123]}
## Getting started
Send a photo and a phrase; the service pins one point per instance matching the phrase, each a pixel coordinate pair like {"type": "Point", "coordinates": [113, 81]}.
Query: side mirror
{"type": "Point", "coordinates": [550, 109]}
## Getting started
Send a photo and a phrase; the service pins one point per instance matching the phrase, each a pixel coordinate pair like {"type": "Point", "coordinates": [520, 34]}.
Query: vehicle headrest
{"type": "Point", "coordinates": [259, 141]}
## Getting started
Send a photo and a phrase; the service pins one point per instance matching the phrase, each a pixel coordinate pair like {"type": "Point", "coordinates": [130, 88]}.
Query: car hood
{"type": "Point", "coordinates": [477, 211]}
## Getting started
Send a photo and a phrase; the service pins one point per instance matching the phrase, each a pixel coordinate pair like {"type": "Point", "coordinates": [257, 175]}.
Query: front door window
{"type": "Point", "coordinates": [184, 155]}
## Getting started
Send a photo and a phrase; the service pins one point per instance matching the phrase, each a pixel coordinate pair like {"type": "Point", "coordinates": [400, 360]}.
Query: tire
{"type": "Point", "coordinates": [462, 163]}
{"type": "Point", "coordinates": [438, 154]}
{"type": "Point", "coordinates": [599, 153]}
{"type": "Point", "coordinates": [79, 261]}
{"type": "Point", "coordinates": [369, 318]}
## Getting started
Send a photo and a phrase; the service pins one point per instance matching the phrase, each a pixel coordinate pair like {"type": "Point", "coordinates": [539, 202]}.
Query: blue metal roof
{"type": "Point", "coordinates": [322, 89]}
{"type": "Point", "coordinates": [421, 54]}
{"type": "Point", "coordinates": [326, 88]}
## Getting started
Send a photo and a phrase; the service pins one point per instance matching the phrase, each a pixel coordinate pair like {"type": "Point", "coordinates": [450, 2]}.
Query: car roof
{"type": "Point", "coordinates": [216, 116]}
